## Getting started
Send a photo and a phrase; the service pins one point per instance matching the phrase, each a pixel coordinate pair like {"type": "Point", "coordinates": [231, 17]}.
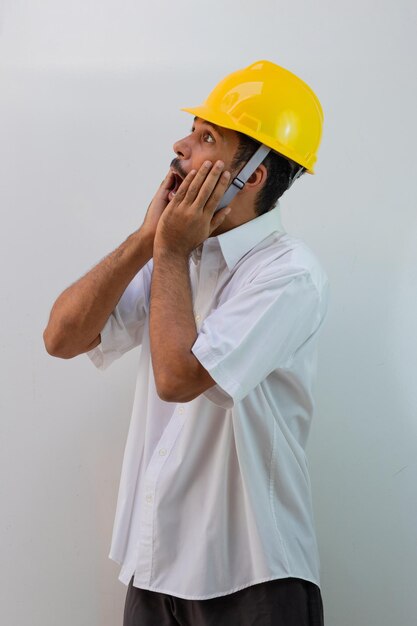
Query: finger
{"type": "Point", "coordinates": [183, 188]}
{"type": "Point", "coordinates": [168, 181]}
{"type": "Point", "coordinates": [165, 187]}
{"type": "Point", "coordinates": [216, 182]}
{"type": "Point", "coordinates": [200, 180]}
{"type": "Point", "coordinates": [217, 193]}
{"type": "Point", "coordinates": [218, 218]}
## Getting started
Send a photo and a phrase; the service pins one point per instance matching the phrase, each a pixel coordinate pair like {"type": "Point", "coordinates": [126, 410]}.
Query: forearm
{"type": "Point", "coordinates": [172, 326]}
{"type": "Point", "coordinates": [80, 312]}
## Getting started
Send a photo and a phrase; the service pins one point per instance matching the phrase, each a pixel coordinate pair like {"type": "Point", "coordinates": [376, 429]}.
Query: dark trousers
{"type": "Point", "coordinates": [283, 602]}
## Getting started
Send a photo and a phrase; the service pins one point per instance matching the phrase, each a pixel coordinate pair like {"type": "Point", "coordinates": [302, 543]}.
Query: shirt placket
{"type": "Point", "coordinates": [145, 545]}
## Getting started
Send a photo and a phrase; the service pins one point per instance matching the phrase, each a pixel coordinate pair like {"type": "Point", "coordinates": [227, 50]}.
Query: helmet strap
{"type": "Point", "coordinates": [240, 180]}
{"type": "Point", "coordinates": [296, 175]}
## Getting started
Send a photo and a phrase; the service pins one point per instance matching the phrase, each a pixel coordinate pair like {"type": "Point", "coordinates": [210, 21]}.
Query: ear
{"type": "Point", "coordinates": [258, 178]}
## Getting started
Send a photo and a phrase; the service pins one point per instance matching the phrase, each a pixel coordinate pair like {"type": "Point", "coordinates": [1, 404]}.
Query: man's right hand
{"type": "Point", "coordinates": [157, 206]}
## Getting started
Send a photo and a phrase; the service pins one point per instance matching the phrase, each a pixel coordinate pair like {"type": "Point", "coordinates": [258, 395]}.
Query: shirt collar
{"type": "Point", "coordinates": [235, 243]}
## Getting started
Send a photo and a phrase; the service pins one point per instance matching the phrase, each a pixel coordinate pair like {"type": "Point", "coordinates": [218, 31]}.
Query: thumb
{"type": "Point", "coordinates": [167, 183]}
{"type": "Point", "coordinates": [218, 218]}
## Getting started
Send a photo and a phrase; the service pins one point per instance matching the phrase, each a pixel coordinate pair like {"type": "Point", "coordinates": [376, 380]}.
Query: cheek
{"type": "Point", "coordinates": [199, 156]}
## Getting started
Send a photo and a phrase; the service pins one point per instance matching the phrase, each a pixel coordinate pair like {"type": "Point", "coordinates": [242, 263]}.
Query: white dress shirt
{"type": "Point", "coordinates": [215, 493]}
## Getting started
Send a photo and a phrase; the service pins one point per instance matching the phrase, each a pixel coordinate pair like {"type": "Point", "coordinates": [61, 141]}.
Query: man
{"type": "Point", "coordinates": [214, 520]}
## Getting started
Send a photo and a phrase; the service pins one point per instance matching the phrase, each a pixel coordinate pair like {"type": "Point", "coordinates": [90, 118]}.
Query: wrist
{"type": "Point", "coordinates": [144, 240]}
{"type": "Point", "coordinates": [162, 251]}
{"type": "Point", "coordinates": [163, 247]}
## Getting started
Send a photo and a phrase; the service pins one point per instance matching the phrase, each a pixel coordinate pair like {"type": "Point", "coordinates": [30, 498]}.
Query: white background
{"type": "Point", "coordinates": [90, 92]}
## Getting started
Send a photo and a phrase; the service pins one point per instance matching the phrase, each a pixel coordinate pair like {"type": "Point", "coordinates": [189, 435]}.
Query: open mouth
{"type": "Point", "coordinates": [177, 182]}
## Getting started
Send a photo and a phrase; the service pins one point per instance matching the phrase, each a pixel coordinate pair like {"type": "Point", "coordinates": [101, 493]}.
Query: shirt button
{"type": "Point", "coordinates": [181, 409]}
{"type": "Point", "coordinates": [162, 452]}
{"type": "Point", "coordinates": [149, 498]}
{"type": "Point", "coordinates": [197, 318]}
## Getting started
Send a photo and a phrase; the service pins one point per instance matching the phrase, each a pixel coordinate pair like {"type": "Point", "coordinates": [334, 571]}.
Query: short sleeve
{"type": "Point", "coordinates": [124, 328]}
{"type": "Point", "coordinates": [256, 330]}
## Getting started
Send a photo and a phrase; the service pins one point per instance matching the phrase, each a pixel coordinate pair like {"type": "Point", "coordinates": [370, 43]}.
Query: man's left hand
{"type": "Point", "coordinates": [189, 218]}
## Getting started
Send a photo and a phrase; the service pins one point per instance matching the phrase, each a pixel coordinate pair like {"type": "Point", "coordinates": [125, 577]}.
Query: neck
{"type": "Point", "coordinates": [242, 211]}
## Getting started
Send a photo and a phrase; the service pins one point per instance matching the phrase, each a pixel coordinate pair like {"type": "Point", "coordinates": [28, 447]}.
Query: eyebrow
{"type": "Point", "coordinates": [216, 128]}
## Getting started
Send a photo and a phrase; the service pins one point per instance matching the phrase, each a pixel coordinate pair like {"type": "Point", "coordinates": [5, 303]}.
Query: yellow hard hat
{"type": "Point", "coordinates": [269, 104]}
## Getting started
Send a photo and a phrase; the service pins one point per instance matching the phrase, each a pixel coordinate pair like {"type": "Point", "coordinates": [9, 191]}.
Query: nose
{"type": "Point", "coordinates": [182, 148]}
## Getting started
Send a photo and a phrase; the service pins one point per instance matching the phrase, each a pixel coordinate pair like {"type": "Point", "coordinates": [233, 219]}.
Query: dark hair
{"type": "Point", "coordinates": [280, 172]}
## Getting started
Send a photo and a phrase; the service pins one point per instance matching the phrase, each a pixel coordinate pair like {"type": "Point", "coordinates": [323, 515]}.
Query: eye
{"type": "Point", "coordinates": [208, 137]}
